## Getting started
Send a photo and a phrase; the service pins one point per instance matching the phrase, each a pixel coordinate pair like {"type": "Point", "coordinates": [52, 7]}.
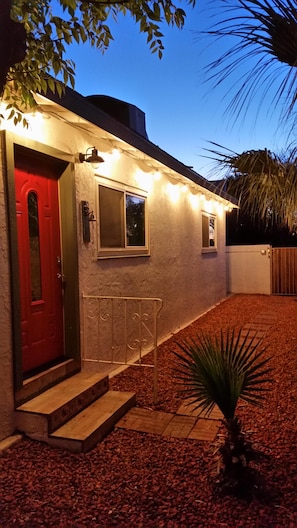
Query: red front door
{"type": "Point", "coordinates": [37, 208]}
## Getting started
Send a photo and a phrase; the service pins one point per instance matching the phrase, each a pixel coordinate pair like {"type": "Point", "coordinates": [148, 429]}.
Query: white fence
{"type": "Point", "coordinates": [248, 269]}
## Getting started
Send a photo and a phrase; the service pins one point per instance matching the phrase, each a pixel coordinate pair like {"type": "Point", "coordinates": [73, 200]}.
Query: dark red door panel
{"type": "Point", "coordinates": [37, 207]}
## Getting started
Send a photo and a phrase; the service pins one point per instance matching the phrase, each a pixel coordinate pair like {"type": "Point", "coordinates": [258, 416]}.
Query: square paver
{"type": "Point", "coordinates": [267, 317]}
{"type": "Point", "coordinates": [145, 421]}
{"type": "Point", "coordinates": [189, 409]}
{"type": "Point", "coordinates": [204, 430]}
{"type": "Point", "coordinates": [180, 426]}
{"type": "Point", "coordinates": [253, 341]}
{"type": "Point", "coordinates": [254, 332]}
{"type": "Point", "coordinates": [215, 414]}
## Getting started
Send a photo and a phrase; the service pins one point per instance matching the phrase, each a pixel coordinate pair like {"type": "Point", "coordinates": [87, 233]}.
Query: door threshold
{"type": "Point", "coordinates": [44, 368]}
{"type": "Point", "coordinates": [46, 378]}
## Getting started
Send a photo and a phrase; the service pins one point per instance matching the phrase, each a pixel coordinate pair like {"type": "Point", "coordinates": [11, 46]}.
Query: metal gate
{"type": "Point", "coordinates": [121, 331]}
{"type": "Point", "coordinates": [284, 271]}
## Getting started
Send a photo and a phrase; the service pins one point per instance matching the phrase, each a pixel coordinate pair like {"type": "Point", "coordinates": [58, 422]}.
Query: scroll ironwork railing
{"type": "Point", "coordinates": [121, 331]}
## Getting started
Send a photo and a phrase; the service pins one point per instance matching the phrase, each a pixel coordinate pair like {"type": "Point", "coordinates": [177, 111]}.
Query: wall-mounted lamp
{"type": "Point", "coordinates": [91, 156]}
{"type": "Point", "coordinates": [87, 217]}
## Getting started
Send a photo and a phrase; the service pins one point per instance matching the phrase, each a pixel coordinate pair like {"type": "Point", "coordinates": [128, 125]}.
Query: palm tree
{"type": "Point", "coordinates": [264, 183]}
{"type": "Point", "coordinates": [220, 372]}
{"type": "Point", "coordinates": [265, 33]}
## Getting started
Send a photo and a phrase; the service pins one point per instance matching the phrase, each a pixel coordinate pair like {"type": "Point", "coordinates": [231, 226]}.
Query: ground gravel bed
{"type": "Point", "coordinates": [139, 480]}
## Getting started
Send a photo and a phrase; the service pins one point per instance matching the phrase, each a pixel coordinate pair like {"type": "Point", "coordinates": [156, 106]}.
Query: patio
{"type": "Point", "coordinates": [143, 479]}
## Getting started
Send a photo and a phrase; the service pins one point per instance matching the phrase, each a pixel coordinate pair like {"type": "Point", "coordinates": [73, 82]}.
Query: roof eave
{"type": "Point", "coordinates": [78, 104]}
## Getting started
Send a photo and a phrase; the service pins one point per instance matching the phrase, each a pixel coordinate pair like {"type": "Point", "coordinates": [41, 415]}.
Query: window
{"type": "Point", "coordinates": [122, 223]}
{"type": "Point", "coordinates": [209, 234]}
{"type": "Point", "coordinates": [34, 247]}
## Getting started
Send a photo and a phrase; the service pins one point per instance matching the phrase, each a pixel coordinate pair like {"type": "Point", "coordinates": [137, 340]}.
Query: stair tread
{"type": "Point", "coordinates": [55, 397]}
{"type": "Point", "coordinates": [93, 416]}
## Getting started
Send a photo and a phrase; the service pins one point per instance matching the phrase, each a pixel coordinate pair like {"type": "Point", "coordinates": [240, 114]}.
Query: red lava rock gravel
{"type": "Point", "coordinates": [138, 480]}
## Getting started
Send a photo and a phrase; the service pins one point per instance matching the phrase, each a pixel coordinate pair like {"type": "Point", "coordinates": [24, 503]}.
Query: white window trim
{"type": "Point", "coordinates": [210, 249]}
{"type": "Point", "coordinates": [132, 251]}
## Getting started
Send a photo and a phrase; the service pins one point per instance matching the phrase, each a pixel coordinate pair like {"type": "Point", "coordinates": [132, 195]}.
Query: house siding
{"type": "Point", "coordinates": [6, 366]}
{"type": "Point", "coordinates": [188, 281]}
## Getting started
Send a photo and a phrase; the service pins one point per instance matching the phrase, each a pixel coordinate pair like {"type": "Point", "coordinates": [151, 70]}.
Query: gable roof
{"type": "Point", "coordinates": [72, 105]}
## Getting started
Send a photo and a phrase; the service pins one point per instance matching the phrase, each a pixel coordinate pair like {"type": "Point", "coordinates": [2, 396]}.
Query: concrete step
{"type": "Point", "coordinates": [89, 427]}
{"type": "Point", "coordinates": [45, 413]}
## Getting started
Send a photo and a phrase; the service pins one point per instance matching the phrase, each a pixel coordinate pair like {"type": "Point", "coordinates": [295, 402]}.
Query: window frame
{"type": "Point", "coordinates": [126, 251]}
{"type": "Point", "coordinates": [209, 248]}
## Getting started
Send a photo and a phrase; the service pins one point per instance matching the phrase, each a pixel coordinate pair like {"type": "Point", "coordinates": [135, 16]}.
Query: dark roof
{"type": "Point", "coordinates": [80, 105]}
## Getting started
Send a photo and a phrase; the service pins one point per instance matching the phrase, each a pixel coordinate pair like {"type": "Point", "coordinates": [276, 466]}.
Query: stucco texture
{"type": "Point", "coordinates": [176, 270]}
{"type": "Point", "coordinates": [6, 380]}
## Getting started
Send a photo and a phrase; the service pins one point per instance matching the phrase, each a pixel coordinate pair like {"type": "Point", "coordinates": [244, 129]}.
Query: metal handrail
{"type": "Point", "coordinates": [140, 343]}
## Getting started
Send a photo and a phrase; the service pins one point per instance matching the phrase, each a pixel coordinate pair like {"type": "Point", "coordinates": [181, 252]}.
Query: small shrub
{"type": "Point", "coordinates": [219, 372]}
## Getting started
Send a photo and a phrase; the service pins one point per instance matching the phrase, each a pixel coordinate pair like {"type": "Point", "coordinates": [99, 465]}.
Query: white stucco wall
{"type": "Point", "coordinates": [6, 377]}
{"type": "Point", "coordinates": [187, 280]}
{"type": "Point", "coordinates": [176, 271]}
{"type": "Point", "coordinates": [248, 269]}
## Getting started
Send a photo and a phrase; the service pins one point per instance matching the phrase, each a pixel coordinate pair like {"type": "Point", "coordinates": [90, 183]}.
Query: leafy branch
{"type": "Point", "coordinates": [49, 34]}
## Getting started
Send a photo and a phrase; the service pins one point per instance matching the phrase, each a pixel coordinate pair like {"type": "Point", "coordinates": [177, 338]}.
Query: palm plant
{"type": "Point", "coordinates": [265, 34]}
{"type": "Point", "coordinates": [220, 372]}
{"type": "Point", "coordinates": [264, 183]}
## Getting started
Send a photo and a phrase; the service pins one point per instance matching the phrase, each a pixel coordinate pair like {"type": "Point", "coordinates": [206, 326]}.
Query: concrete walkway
{"type": "Point", "coordinates": [186, 422]}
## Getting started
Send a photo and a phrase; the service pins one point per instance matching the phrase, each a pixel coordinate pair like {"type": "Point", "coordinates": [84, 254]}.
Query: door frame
{"type": "Point", "coordinates": [12, 144]}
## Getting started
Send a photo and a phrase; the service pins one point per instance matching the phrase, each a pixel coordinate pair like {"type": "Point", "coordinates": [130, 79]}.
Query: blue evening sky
{"type": "Point", "coordinates": [183, 112]}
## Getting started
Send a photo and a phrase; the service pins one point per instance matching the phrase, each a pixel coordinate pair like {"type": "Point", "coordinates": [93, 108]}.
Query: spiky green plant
{"type": "Point", "coordinates": [264, 183]}
{"type": "Point", "coordinates": [264, 35]}
{"type": "Point", "coordinates": [219, 372]}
